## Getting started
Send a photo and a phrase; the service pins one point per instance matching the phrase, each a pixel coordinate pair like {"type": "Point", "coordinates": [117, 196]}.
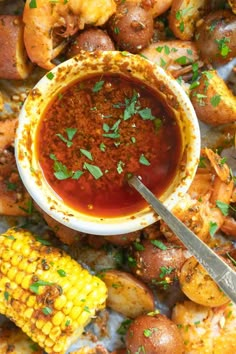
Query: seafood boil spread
{"type": "Point", "coordinates": [66, 291]}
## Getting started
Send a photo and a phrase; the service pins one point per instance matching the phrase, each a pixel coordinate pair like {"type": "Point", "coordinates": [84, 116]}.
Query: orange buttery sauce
{"type": "Point", "coordinates": [96, 134]}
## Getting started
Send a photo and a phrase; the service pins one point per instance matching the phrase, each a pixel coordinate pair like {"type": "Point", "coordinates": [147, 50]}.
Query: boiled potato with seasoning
{"type": "Point", "coordinates": [153, 334]}
{"type": "Point", "coordinates": [212, 100]}
{"type": "Point", "coordinates": [14, 63]}
{"type": "Point", "coordinates": [183, 17]}
{"type": "Point", "coordinates": [216, 37]}
{"type": "Point", "coordinates": [131, 27]}
{"type": "Point", "coordinates": [126, 294]}
{"type": "Point", "coordinates": [199, 287]}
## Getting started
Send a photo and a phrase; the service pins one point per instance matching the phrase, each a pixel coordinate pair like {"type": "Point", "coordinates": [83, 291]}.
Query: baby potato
{"type": "Point", "coordinates": [126, 294]}
{"type": "Point", "coordinates": [131, 27]}
{"type": "Point", "coordinates": [183, 17]}
{"type": "Point", "coordinates": [212, 100]}
{"type": "Point", "coordinates": [90, 40]}
{"type": "Point", "coordinates": [216, 37]}
{"type": "Point", "coordinates": [158, 262]}
{"type": "Point", "coordinates": [153, 334]}
{"type": "Point", "coordinates": [198, 286]}
{"type": "Point", "coordinates": [14, 63]}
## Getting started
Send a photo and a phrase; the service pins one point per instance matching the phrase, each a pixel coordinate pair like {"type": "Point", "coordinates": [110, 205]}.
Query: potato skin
{"type": "Point", "coordinates": [199, 287]}
{"type": "Point", "coordinates": [216, 37]}
{"type": "Point", "coordinates": [90, 40]}
{"type": "Point", "coordinates": [153, 334]}
{"type": "Point", "coordinates": [212, 100]}
{"type": "Point", "coordinates": [131, 27]}
{"type": "Point", "coordinates": [158, 266]}
{"type": "Point", "coordinates": [14, 63]}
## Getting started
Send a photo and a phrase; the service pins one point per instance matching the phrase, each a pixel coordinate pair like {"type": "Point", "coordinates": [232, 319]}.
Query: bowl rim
{"type": "Point", "coordinates": [74, 219]}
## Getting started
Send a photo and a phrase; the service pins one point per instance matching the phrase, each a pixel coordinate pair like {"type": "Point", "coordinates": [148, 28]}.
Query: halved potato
{"type": "Point", "coordinates": [199, 287]}
{"type": "Point", "coordinates": [213, 101]}
{"type": "Point", "coordinates": [14, 63]}
{"type": "Point", "coordinates": [183, 17]}
{"type": "Point", "coordinates": [126, 294]}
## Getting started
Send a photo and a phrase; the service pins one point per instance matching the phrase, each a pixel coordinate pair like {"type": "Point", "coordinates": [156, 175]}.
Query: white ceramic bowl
{"type": "Point", "coordinates": [77, 68]}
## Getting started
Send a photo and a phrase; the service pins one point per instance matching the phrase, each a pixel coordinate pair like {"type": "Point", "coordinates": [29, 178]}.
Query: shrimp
{"type": "Point", "coordinates": [198, 208]}
{"type": "Point", "coordinates": [168, 54]}
{"type": "Point", "coordinates": [206, 330]}
{"type": "Point", "coordinates": [49, 18]}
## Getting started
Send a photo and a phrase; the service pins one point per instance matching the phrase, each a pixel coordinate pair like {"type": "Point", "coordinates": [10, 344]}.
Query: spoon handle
{"type": "Point", "coordinates": [220, 271]}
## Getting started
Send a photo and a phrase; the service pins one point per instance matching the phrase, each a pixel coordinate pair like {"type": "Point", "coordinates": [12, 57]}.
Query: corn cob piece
{"type": "Point", "coordinates": [45, 292]}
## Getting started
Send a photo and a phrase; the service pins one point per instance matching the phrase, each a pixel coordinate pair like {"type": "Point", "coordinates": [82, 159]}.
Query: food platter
{"type": "Point", "coordinates": [207, 209]}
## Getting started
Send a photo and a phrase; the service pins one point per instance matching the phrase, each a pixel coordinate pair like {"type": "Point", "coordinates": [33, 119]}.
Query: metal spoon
{"type": "Point", "coordinates": [220, 271]}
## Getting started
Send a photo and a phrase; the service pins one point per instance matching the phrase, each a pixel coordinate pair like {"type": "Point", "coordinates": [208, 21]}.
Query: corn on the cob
{"type": "Point", "coordinates": [45, 292]}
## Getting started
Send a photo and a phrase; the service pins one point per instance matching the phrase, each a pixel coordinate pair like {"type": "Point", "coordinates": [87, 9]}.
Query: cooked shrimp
{"type": "Point", "coordinates": [229, 227]}
{"type": "Point", "coordinates": [206, 330]}
{"type": "Point", "coordinates": [48, 18]}
{"type": "Point", "coordinates": [7, 132]}
{"type": "Point", "coordinates": [174, 56]}
{"type": "Point", "coordinates": [197, 209]}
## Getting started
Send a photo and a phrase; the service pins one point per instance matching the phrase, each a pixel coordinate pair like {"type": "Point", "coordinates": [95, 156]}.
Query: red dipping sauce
{"type": "Point", "coordinates": [96, 134]}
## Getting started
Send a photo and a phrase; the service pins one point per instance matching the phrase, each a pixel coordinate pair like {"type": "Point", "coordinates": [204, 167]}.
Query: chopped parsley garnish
{"type": "Point", "coordinates": [95, 171]}
{"type": "Point", "coordinates": [70, 135]}
{"type": "Point", "coordinates": [144, 161]}
{"type": "Point", "coordinates": [50, 75]}
{"type": "Point", "coordinates": [223, 47]}
{"type": "Point", "coordinates": [159, 244]}
{"type": "Point", "coordinates": [61, 272]}
{"type": "Point", "coordinates": [213, 227]}
{"type": "Point", "coordinates": [224, 208]}
{"type": "Point", "coordinates": [215, 100]}
{"type": "Point", "coordinates": [34, 287]}
{"type": "Point", "coordinates": [33, 4]}
{"type": "Point", "coordinates": [47, 310]}
{"type": "Point", "coordinates": [98, 86]}
{"type": "Point", "coordinates": [87, 154]}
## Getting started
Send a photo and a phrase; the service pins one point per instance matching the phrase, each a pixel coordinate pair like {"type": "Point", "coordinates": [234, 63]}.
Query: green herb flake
{"type": "Point", "coordinates": [42, 241]}
{"type": "Point", "coordinates": [181, 26]}
{"type": "Point", "coordinates": [105, 127]}
{"type": "Point", "coordinates": [162, 63]}
{"type": "Point", "coordinates": [102, 147]}
{"type": "Point", "coordinates": [11, 186]}
{"type": "Point", "coordinates": [98, 86]}
{"type": "Point", "coordinates": [133, 139]}
{"type": "Point", "coordinates": [67, 323]}
{"type": "Point", "coordinates": [122, 330]}
{"type": "Point", "coordinates": [71, 133]}
{"type": "Point", "coordinates": [50, 75]}
{"type": "Point", "coordinates": [215, 100]}
{"type": "Point", "coordinates": [146, 114]}
{"type": "Point", "coordinates": [33, 4]}
{"type": "Point", "coordinates": [144, 161]}
{"type": "Point", "coordinates": [120, 166]}
{"type": "Point", "coordinates": [147, 333]}
{"type": "Point", "coordinates": [138, 246]}
{"type": "Point", "coordinates": [77, 174]}
{"type": "Point", "coordinates": [223, 47]}
{"type": "Point", "coordinates": [62, 273]}
{"type": "Point", "coordinates": [87, 154]}
{"type": "Point", "coordinates": [114, 135]}
{"type": "Point", "coordinates": [159, 244]}
{"type": "Point", "coordinates": [183, 60]}
{"type": "Point", "coordinates": [6, 295]}
{"type": "Point", "coordinates": [34, 287]}
{"type": "Point", "coordinates": [95, 171]}
{"type": "Point", "coordinates": [202, 162]}
{"type": "Point", "coordinates": [224, 208]}
{"type": "Point", "coordinates": [213, 227]}
{"type": "Point", "coordinates": [159, 49]}
{"type": "Point", "coordinates": [47, 310]}
{"type": "Point", "coordinates": [86, 309]}
{"type": "Point", "coordinates": [164, 271]}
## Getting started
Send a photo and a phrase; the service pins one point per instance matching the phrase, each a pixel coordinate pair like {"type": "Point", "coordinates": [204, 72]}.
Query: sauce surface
{"type": "Point", "coordinates": [97, 133]}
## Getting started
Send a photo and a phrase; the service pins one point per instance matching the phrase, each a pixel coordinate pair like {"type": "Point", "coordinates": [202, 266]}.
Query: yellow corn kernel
{"type": "Point", "coordinates": [58, 318]}
{"type": "Point", "coordinates": [52, 303]}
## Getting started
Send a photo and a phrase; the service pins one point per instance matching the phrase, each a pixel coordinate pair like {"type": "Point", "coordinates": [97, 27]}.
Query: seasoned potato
{"type": "Point", "coordinates": [213, 102]}
{"type": "Point", "coordinates": [216, 37]}
{"type": "Point", "coordinates": [158, 262]}
{"type": "Point", "coordinates": [90, 40]}
{"type": "Point", "coordinates": [131, 27]}
{"type": "Point", "coordinates": [183, 17]}
{"type": "Point", "coordinates": [14, 63]}
{"type": "Point", "coordinates": [154, 334]}
{"type": "Point", "coordinates": [199, 287]}
{"type": "Point", "coordinates": [126, 294]}
{"type": "Point", "coordinates": [123, 240]}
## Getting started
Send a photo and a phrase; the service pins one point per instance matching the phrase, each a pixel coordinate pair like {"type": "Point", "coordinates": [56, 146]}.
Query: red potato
{"type": "Point", "coordinates": [14, 63]}
{"type": "Point", "coordinates": [126, 294]}
{"type": "Point", "coordinates": [158, 262]}
{"type": "Point", "coordinates": [216, 37]}
{"type": "Point", "coordinates": [131, 27]}
{"type": "Point", "coordinates": [153, 334]}
{"type": "Point", "coordinates": [183, 17]}
{"type": "Point", "coordinates": [123, 240]}
{"type": "Point", "coordinates": [90, 40]}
